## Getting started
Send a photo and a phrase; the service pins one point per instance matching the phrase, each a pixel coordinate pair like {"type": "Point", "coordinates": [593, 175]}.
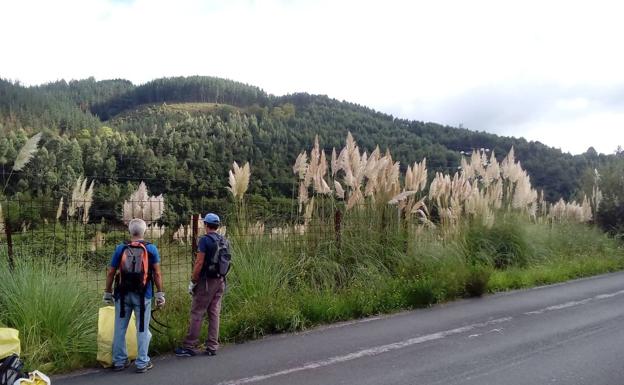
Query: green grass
{"type": "Point", "coordinates": [56, 317]}
{"type": "Point", "coordinates": [282, 286]}
{"type": "Point", "coordinates": [504, 245]}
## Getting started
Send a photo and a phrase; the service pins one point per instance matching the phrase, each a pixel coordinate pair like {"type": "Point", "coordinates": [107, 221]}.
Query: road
{"type": "Point", "coordinates": [571, 333]}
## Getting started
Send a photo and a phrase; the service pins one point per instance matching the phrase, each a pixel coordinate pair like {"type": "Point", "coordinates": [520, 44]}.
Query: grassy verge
{"type": "Point", "coordinates": [56, 317]}
{"type": "Point", "coordinates": [277, 287]}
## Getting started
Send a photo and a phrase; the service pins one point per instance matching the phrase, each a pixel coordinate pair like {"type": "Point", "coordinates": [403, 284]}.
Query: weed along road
{"type": "Point", "coordinates": [571, 333]}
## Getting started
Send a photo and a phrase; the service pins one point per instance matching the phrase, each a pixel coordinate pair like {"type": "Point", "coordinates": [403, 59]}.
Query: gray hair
{"type": "Point", "coordinates": [137, 227]}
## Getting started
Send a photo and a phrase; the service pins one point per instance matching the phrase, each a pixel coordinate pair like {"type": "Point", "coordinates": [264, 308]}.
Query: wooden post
{"type": "Point", "coordinates": [7, 231]}
{"type": "Point", "coordinates": [404, 229]}
{"type": "Point", "coordinates": [195, 235]}
{"type": "Point", "coordinates": [338, 227]}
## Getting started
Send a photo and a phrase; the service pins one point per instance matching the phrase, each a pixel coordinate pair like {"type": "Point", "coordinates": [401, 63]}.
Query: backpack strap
{"type": "Point", "coordinates": [149, 281]}
{"type": "Point", "coordinates": [122, 305]}
{"type": "Point", "coordinates": [216, 238]}
{"type": "Point", "coordinates": [142, 313]}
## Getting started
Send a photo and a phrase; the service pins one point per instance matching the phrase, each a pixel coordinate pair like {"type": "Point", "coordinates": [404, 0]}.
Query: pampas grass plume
{"type": "Point", "coordinates": [26, 153]}
{"type": "Point", "coordinates": [59, 210]}
{"type": "Point", "coordinates": [239, 180]}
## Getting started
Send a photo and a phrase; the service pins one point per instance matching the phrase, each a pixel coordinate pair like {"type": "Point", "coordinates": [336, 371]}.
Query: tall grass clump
{"type": "Point", "coordinates": [568, 239]}
{"type": "Point", "coordinates": [260, 299]}
{"type": "Point", "coordinates": [559, 253]}
{"type": "Point", "coordinates": [396, 224]}
{"type": "Point", "coordinates": [503, 245]}
{"type": "Point", "coordinates": [56, 318]}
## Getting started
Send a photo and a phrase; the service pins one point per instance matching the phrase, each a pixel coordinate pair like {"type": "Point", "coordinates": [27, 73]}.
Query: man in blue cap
{"type": "Point", "coordinates": [207, 288]}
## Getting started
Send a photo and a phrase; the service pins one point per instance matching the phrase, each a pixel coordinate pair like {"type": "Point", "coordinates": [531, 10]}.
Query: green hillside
{"type": "Point", "coordinates": [181, 135]}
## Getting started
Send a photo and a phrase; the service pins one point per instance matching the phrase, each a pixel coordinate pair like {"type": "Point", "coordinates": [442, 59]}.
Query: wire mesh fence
{"type": "Point", "coordinates": [74, 232]}
{"type": "Point", "coordinates": [27, 233]}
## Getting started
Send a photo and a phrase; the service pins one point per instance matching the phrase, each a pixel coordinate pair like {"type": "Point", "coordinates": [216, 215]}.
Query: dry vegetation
{"type": "Point", "coordinates": [481, 190]}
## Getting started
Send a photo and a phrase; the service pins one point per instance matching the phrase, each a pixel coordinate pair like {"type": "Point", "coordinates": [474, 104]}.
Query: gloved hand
{"type": "Point", "coordinates": [160, 299]}
{"type": "Point", "coordinates": [108, 298]}
{"type": "Point", "coordinates": [191, 288]}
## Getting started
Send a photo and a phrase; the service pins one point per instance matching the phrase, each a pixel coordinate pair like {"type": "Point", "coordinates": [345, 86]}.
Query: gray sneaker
{"type": "Point", "coordinates": [119, 368]}
{"type": "Point", "coordinates": [144, 368]}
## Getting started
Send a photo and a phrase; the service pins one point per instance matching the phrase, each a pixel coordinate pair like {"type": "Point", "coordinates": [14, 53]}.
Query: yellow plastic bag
{"type": "Point", "coordinates": [106, 329]}
{"type": "Point", "coordinates": [9, 342]}
{"type": "Point", "coordinates": [34, 378]}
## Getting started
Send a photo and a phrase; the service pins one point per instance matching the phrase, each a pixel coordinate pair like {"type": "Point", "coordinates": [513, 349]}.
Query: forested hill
{"type": "Point", "coordinates": [182, 134]}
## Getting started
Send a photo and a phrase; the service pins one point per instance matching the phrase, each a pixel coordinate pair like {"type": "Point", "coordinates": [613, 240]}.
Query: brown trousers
{"type": "Point", "coordinates": [207, 298]}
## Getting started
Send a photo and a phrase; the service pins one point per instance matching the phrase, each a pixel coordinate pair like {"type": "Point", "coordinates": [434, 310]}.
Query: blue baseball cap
{"type": "Point", "coordinates": [212, 219]}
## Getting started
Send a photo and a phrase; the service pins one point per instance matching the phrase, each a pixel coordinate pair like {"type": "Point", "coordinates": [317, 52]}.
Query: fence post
{"type": "Point", "coordinates": [7, 231]}
{"type": "Point", "coordinates": [403, 218]}
{"type": "Point", "coordinates": [194, 235]}
{"type": "Point", "coordinates": [338, 227]}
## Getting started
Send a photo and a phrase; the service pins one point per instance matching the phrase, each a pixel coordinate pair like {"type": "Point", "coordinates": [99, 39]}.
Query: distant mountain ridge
{"type": "Point", "coordinates": [194, 127]}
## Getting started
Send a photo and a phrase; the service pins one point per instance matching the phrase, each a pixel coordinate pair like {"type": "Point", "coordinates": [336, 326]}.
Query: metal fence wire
{"type": "Point", "coordinates": [27, 232]}
{"type": "Point", "coordinates": [77, 232]}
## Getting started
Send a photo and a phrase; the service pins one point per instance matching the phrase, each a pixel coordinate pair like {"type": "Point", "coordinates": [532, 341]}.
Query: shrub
{"type": "Point", "coordinates": [420, 293]}
{"type": "Point", "coordinates": [477, 280]}
{"type": "Point", "coordinates": [610, 214]}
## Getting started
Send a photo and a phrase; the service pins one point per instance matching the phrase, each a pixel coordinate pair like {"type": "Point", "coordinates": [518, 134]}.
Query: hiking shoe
{"type": "Point", "coordinates": [144, 368]}
{"type": "Point", "coordinates": [119, 368]}
{"type": "Point", "coordinates": [210, 352]}
{"type": "Point", "coordinates": [184, 352]}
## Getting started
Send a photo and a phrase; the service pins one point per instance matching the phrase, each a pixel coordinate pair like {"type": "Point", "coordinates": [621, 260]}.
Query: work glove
{"type": "Point", "coordinates": [191, 288]}
{"type": "Point", "coordinates": [160, 299]}
{"type": "Point", "coordinates": [108, 299]}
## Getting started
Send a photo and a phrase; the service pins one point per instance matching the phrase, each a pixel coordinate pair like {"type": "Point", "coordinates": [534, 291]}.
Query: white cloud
{"type": "Point", "coordinates": [572, 104]}
{"type": "Point", "coordinates": [603, 130]}
{"type": "Point", "coordinates": [412, 58]}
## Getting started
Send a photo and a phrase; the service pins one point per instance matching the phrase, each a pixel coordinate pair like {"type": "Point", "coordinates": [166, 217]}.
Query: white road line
{"type": "Point", "coordinates": [412, 341]}
{"type": "Point", "coordinates": [575, 303]}
{"type": "Point", "coordinates": [499, 331]}
{"type": "Point", "coordinates": [611, 295]}
{"type": "Point", "coordinates": [368, 352]}
{"type": "Point", "coordinates": [558, 307]}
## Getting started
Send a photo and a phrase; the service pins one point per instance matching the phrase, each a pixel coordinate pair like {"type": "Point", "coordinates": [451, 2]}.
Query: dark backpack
{"type": "Point", "coordinates": [11, 370]}
{"type": "Point", "coordinates": [134, 276]}
{"type": "Point", "coordinates": [218, 264]}
{"type": "Point", "coordinates": [134, 268]}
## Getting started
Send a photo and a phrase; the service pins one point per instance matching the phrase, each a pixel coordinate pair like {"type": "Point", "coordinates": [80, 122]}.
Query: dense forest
{"type": "Point", "coordinates": [181, 135]}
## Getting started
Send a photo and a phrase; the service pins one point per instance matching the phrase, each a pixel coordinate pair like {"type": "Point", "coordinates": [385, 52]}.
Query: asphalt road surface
{"type": "Point", "coordinates": [570, 333]}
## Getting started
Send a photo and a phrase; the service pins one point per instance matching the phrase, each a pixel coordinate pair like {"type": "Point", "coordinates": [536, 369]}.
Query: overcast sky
{"type": "Point", "coordinates": [551, 70]}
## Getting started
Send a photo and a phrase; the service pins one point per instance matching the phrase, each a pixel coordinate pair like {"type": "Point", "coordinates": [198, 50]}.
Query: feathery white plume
{"type": "Point", "coordinates": [26, 153]}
